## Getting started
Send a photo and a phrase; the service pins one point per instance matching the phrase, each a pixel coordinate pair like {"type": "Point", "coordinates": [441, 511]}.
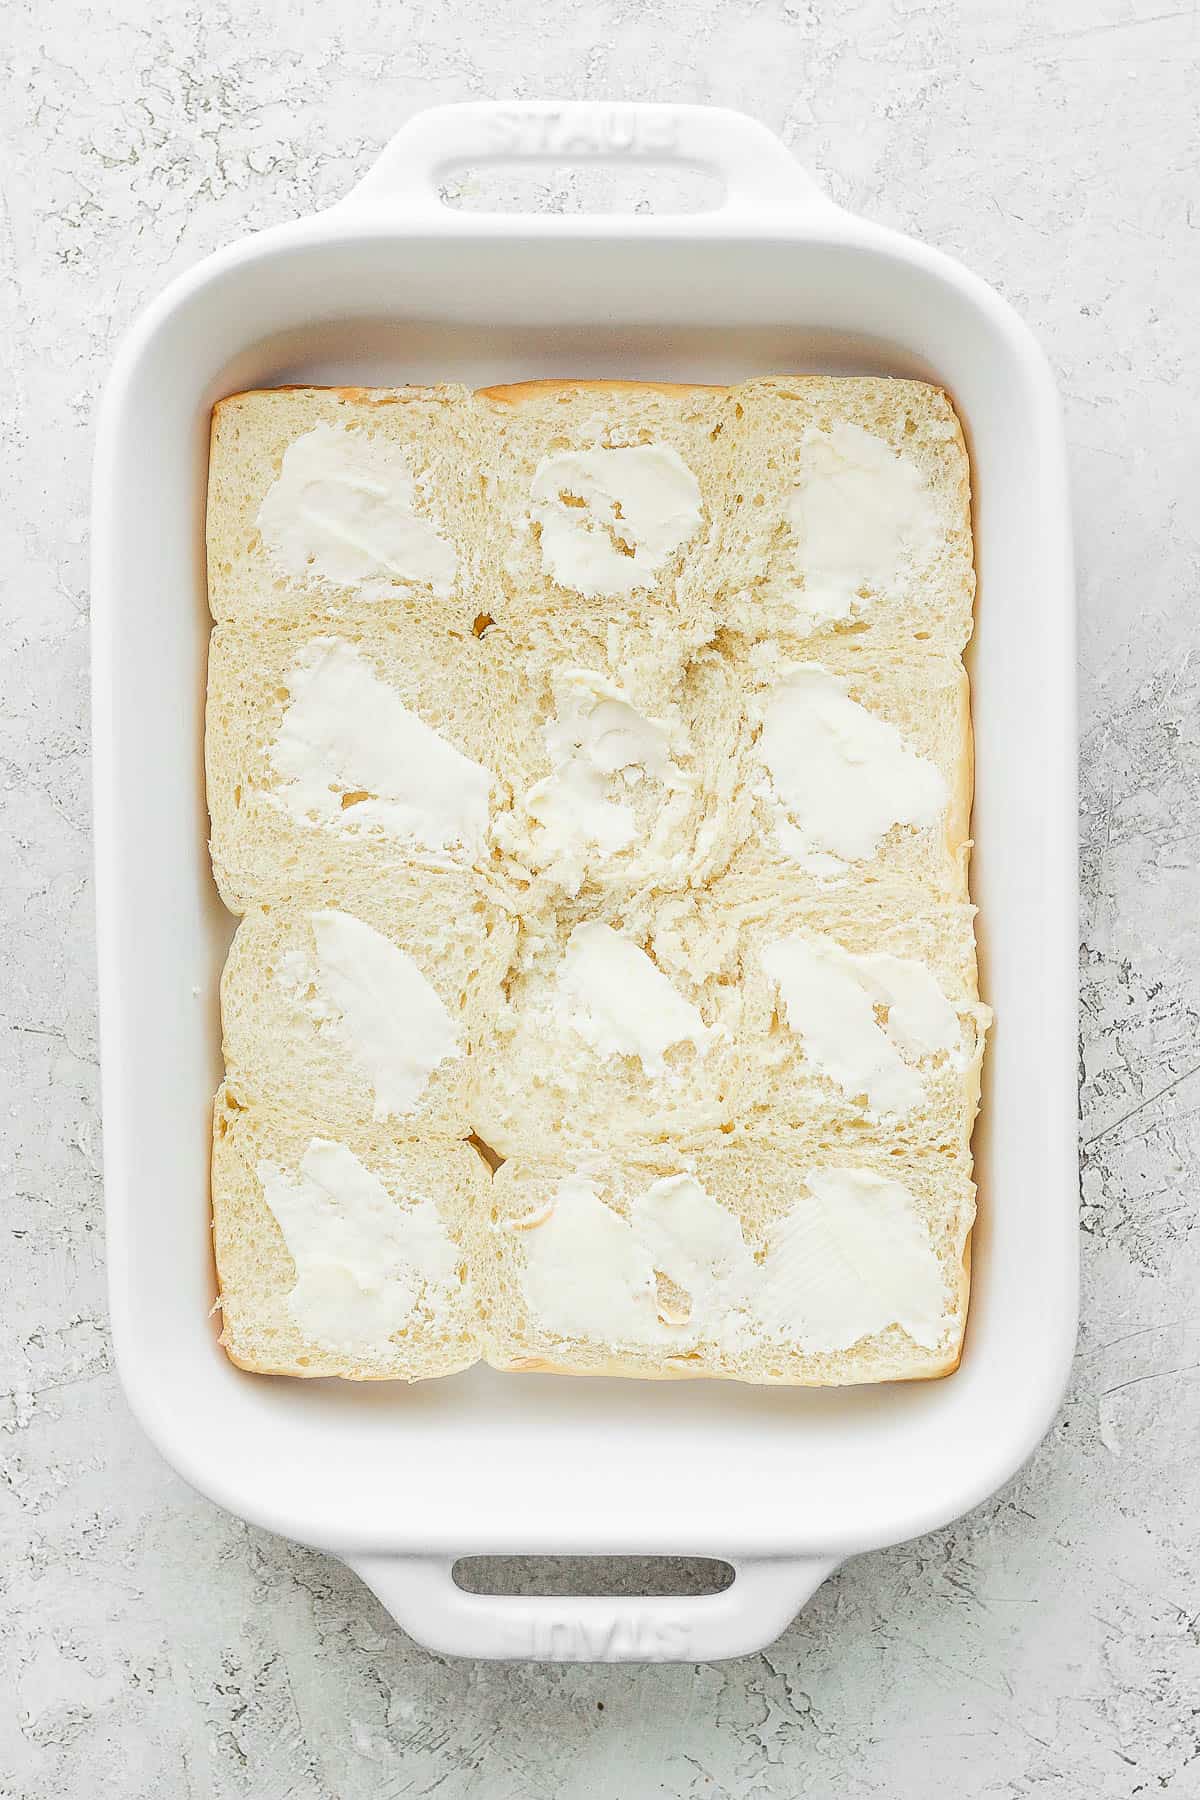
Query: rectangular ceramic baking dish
{"type": "Point", "coordinates": [392, 286]}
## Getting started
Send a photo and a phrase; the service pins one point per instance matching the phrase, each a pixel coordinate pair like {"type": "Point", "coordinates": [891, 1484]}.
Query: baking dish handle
{"type": "Point", "coordinates": [762, 179]}
{"type": "Point", "coordinates": [764, 1597]}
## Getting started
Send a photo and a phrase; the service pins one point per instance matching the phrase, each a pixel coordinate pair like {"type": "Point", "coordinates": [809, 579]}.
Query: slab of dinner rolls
{"type": "Point", "coordinates": [342, 1250]}
{"type": "Point", "coordinates": [819, 1261]}
{"type": "Point", "coordinates": [591, 765]}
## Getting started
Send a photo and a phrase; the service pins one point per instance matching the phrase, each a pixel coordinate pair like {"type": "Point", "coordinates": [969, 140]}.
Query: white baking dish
{"type": "Point", "coordinates": [391, 286]}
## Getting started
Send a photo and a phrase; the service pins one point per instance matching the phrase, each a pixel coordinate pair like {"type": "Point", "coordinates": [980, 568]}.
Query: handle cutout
{"type": "Point", "coordinates": [646, 186]}
{"type": "Point", "coordinates": [593, 1577]}
{"type": "Point", "coordinates": [436, 164]}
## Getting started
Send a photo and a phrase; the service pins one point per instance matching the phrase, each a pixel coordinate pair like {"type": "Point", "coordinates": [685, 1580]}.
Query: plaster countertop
{"type": "Point", "coordinates": [1048, 1644]}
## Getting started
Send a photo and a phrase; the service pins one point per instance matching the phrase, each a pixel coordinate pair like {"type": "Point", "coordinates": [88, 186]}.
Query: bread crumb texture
{"type": "Point", "coordinates": [589, 764]}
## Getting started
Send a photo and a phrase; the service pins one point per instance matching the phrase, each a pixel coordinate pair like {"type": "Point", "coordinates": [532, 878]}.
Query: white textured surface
{"type": "Point", "coordinates": [1047, 1645]}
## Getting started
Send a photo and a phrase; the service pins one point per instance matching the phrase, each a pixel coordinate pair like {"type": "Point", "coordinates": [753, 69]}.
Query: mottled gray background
{"type": "Point", "coordinates": [149, 1645]}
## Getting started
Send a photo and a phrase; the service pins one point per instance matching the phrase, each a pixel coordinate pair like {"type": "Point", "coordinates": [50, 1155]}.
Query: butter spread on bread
{"type": "Point", "coordinates": [842, 777]}
{"type": "Point", "coordinates": [351, 754]}
{"type": "Point", "coordinates": [392, 1021]}
{"type": "Point", "coordinates": [344, 506]}
{"type": "Point", "coordinates": [611, 993]}
{"type": "Point", "coordinates": [856, 510]}
{"type": "Point", "coordinates": [362, 1255]}
{"type": "Point", "coordinates": [609, 518]}
{"type": "Point", "coordinates": [851, 1258]}
{"type": "Point", "coordinates": [865, 1021]}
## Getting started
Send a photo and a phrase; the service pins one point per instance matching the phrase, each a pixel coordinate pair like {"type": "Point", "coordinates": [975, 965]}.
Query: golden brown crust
{"type": "Point", "coordinates": [517, 393]}
{"type": "Point", "coordinates": [358, 396]}
{"type": "Point", "coordinates": [265, 1366]}
{"type": "Point", "coordinates": [613, 1367]}
{"type": "Point", "coordinates": [958, 810]}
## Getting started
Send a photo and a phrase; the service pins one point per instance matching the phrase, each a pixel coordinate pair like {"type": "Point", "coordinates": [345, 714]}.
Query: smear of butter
{"type": "Point", "coordinates": [841, 775]}
{"type": "Point", "coordinates": [619, 1002]}
{"type": "Point", "coordinates": [392, 1021]}
{"type": "Point", "coordinates": [614, 786]}
{"type": "Point", "coordinates": [589, 1272]}
{"type": "Point", "coordinates": [851, 1257]}
{"type": "Point", "coordinates": [363, 1258]}
{"type": "Point", "coordinates": [584, 1273]}
{"type": "Point", "coordinates": [610, 519]}
{"type": "Point", "coordinates": [858, 512]}
{"type": "Point", "coordinates": [830, 997]}
{"type": "Point", "coordinates": [343, 509]}
{"type": "Point", "coordinates": [347, 733]}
